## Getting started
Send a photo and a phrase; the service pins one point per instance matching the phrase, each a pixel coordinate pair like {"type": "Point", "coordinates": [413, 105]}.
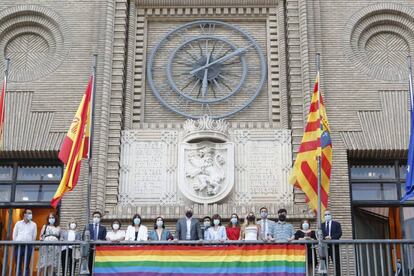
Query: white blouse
{"type": "Point", "coordinates": [142, 233]}
{"type": "Point", "coordinates": [115, 236]}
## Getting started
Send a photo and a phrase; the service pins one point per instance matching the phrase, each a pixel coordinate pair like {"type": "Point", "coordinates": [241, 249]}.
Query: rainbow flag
{"type": "Point", "coordinates": [176, 260]}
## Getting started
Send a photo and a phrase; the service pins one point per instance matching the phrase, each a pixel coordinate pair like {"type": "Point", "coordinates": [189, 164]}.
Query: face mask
{"type": "Point", "coordinates": [51, 221]}
{"type": "Point", "coordinates": [72, 226]}
{"type": "Point", "coordinates": [250, 218]}
{"type": "Point", "coordinates": [263, 215]}
{"type": "Point", "coordinates": [207, 223]}
{"type": "Point", "coordinates": [96, 220]}
{"type": "Point", "coordinates": [328, 217]}
{"type": "Point", "coordinates": [115, 226]}
{"type": "Point", "coordinates": [282, 217]}
{"type": "Point", "coordinates": [137, 221]}
{"type": "Point", "coordinates": [305, 226]}
{"type": "Point", "coordinates": [216, 222]}
{"type": "Point", "coordinates": [160, 223]}
{"type": "Point", "coordinates": [29, 216]}
{"type": "Point", "coordinates": [233, 220]}
{"type": "Point", "coordinates": [189, 214]}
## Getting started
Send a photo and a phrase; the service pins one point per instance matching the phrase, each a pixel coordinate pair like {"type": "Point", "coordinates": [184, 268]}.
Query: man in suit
{"type": "Point", "coordinates": [97, 232]}
{"type": "Point", "coordinates": [267, 226]}
{"type": "Point", "coordinates": [188, 228]}
{"type": "Point", "coordinates": [331, 230]}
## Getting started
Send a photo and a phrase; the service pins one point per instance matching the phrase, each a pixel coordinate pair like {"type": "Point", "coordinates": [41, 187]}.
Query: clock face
{"type": "Point", "coordinates": [206, 67]}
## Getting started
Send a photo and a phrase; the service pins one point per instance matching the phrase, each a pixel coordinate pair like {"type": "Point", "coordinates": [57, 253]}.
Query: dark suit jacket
{"type": "Point", "coordinates": [336, 230]}
{"type": "Point", "coordinates": [101, 234]}
{"type": "Point", "coordinates": [195, 230]}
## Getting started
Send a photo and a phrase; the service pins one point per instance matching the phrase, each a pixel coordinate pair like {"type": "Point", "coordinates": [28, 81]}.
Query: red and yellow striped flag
{"type": "Point", "coordinates": [316, 142]}
{"type": "Point", "coordinates": [2, 97]}
{"type": "Point", "coordinates": [75, 146]}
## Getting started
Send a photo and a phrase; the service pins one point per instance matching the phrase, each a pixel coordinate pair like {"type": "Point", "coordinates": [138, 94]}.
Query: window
{"type": "Point", "coordinates": [29, 184]}
{"type": "Point", "coordinates": [381, 183]}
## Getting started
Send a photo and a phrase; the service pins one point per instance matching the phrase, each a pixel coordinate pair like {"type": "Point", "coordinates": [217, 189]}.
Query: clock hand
{"type": "Point", "coordinates": [205, 80]}
{"type": "Point", "coordinates": [237, 52]}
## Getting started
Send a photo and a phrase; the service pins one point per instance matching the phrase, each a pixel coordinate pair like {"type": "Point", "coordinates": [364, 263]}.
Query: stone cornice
{"type": "Point", "coordinates": [206, 3]}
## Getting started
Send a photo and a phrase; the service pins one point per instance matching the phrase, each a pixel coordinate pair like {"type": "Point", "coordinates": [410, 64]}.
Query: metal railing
{"type": "Point", "coordinates": [341, 257]}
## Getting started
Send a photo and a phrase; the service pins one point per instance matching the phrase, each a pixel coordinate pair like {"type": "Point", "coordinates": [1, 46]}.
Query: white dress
{"type": "Point", "coordinates": [49, 255]}
{"type": "Point", "coordinates": [250, 233]}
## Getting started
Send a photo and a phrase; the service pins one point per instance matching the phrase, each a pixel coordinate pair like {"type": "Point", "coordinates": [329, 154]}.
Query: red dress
{"type": "Point", "coordinates": [233, 233]}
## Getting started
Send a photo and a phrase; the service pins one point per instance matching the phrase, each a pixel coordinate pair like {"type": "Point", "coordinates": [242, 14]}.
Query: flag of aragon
{"type": "Point", "coordinates": [75, 146]}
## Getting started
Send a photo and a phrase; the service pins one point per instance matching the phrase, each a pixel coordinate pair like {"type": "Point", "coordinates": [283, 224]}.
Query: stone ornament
{"type": "Point", "coordinates": [35, 38]}
{"type": "Point", "coordinates": [206, 171]}
{"type": "Point", "coordinates": [378, 39]}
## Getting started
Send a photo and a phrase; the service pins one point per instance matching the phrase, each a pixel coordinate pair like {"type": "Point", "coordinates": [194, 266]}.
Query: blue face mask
{"type": "Point", "coordinates": [328, 217]}
{"type": "Point", "coordinates": [233, 220]}
{"type": "Point", "coordinates": [137, 221]}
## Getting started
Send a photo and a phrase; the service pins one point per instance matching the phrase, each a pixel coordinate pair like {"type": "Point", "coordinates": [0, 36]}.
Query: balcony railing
{"type": "Point", "coordinates": [342, 257]}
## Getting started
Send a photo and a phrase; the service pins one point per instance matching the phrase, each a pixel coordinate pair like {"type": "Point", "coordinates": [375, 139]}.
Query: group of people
{"type": "Point", "coordinates": [187, 228]}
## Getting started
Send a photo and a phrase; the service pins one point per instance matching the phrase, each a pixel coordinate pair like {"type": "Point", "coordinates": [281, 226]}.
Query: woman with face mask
{"type": "Point", "coordinates": [160, 233]}
{"type": "Point", "coordinates": [250, 230]}
{"type": "Point", "coordinates": [306, 233]}
{"type": "Point", "coordinates": [136, 231]}
{"type": "Point", "coordinates": [216, 232]}
{"type": "Point", "coordinates": [116, 235]}
{"type": "Point", "coordinates": [70, 252]}
{"type": "Point", "coordinates": [49, 255]}
{"type": "Point", "coordinates": [233, 228]}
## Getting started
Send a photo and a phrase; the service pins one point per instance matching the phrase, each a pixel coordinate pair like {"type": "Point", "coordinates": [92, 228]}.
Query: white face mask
{"type": "Point", "coordinates": [52, 221]}
{"type": "Point", "coordinates": [115, 226]}
{"type": "Point", "coordinates": [29, 216]}
{"type": "Point", "coordinates": [72, 226]}
{"type": "Point", "coordinates": [233, 220]}
{"type": "Point", "coordinates": [305, 226]}
{"type": "Point", "coordinates": [160, 223]}
{"type": "Point", "coordinates": [328, 217]}
{"type": "Point", "coordinates": [216, 222]}
{"type": "Point", "coordinates": [207, 224]}
{"type": "Point", "coordinates": [96, 220]}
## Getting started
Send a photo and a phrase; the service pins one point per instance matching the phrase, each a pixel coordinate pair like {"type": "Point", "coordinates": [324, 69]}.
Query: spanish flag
{"type": "Point", "coordinates": [316, 142]}
{"type": "Point", "coordinates": [75, 146]}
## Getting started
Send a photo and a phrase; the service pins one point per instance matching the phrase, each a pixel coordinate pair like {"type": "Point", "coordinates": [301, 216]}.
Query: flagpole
{"type": "Point", "coordinates": [88, 200]}
{"type": "Point", "coordinates": [84, 269]}
{"type": "Point", "coordinates": [319, 221]}
{"type": "Point", "coordinates": [10, 211]}
{"type": "Point", "coordinates": [410, 81]}
{"type": "Point", "coordinates": [321, 246]}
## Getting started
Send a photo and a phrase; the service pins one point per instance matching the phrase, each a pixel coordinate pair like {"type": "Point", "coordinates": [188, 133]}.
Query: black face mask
{"type": "Point", "coordinates": [250, 218]}
{"type": "Point", "coordinates": [189, 214]}
{"type": "Point", "coordinates": [282, 217]}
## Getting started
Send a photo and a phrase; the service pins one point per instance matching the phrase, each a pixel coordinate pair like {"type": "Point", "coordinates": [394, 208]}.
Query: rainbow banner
{"type": "Point", "coordinates": [176, 260]}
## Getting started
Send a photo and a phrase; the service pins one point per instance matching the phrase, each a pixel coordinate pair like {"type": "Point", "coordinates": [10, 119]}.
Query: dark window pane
{"type": "Point", "coordinates": [372, 172]}
{"type": "Point", "coordinates": [27, 193]}
{"type": "Point", "coordinates": [48, 191]}
{"type": "Point", "coordinates": [403, 172]}
{"type": "Point", "coordinates": [5, 191]}
{"type": "Point", "coordinates": [6, 173]}
{"type": "Point", "coordinates": [374, 191]}
{"type": "Point", "coordinates": [39, 173]}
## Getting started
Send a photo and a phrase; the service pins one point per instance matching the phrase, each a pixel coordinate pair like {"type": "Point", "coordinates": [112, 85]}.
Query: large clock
{"type": "Point", "coordinates": [206, 67]}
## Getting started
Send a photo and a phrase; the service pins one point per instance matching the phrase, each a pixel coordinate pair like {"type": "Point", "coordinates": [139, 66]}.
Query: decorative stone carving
{"type": "Point", "coordinates": [205, 162]}
{"type": "Point", "coordinates": [378, 40]}
{"type": "Point", "coordinates": [206, 171]}
{"type": "Point", "coordinates": [206, 127]}
{"type": "Point", "coordinates": [35, 38]}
